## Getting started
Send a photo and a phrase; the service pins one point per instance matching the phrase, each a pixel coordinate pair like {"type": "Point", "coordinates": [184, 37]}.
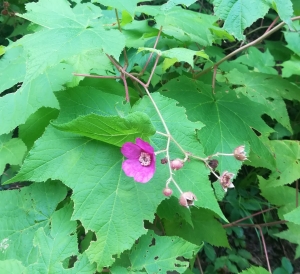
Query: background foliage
{"type": "Point", "coordinates": [206, 75]}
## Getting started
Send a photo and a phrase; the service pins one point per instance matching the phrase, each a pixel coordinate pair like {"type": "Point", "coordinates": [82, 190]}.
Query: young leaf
{"type": "Point", "coordinates": [239, 14]}
{"type": "Point", "coordinates": [113, 130]}
{"type": "Point", "coordinates": [32, 208]}
{"type": "Point", "coordinates": [159, 254]}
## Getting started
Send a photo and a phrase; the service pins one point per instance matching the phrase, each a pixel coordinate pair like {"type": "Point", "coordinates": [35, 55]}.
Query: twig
{"type": "Point", "coordinates": [265, 248]}
{"type": "Point", "coordinates": [258, 40]}
{"type": "Point", "coordinates": [124, 51]}
{"type": "Point", "coordinates": [150, 56]}
{"type": "Point", "coordinates": [248, 217]}
{"type": "Point", "coordinates": [273, 23]}
{"type": "Point", "coordinates": [96, 76]}
{"type": "Point", "coordinates": [199, 264]}
{"type": "Point", "coordinates": [297, 193]}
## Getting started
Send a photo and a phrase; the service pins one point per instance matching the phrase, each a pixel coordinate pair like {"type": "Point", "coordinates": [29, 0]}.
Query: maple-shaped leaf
{"type": "Point", "coordinates": [98, 115]}
{"type": "Point", "coordinates": [105, 199]}
{"type": "Point", "coordinates": [58, 244]}
{"type": "Point", "coordinates": [239, 14]}
{"type": "Point", "coordinates": [229, 119]}
{"type": "Point", "coordinates": [27, 210]}
{"type": "Point", "coordinates": [266, 89]}
{"type": "Point", "coordinates": [67, 33]}
{"type": "Point", "coordinates": [159, 254]}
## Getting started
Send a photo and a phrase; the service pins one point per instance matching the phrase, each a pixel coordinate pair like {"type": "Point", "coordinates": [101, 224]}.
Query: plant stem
{"type": "Point", "coordinates": [258, 40]}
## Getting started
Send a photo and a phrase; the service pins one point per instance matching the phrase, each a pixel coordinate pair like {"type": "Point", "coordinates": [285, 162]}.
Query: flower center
{"type": "Point", "coordinates": [145, 159]}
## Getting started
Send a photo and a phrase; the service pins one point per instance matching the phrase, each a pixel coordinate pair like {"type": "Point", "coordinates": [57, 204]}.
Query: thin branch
{"type": "Point", "coordinates": [126, 87]}
{"type": "Point", "coordinates": [273, 23]}
{"type": "Point", "coordinates": [124, 51]}
{"type": "Point", "coordinates": [258, 40]}
{"type": "Point", "coordinates": [150, 56]}
{"type": "Point", "coordinates": [265, 248]}
{"type": "Point", "coordinates": [96, 76]}
{"type": "Point", "coordinates": [152, 71]}
{"type": "Point", "coordinates": [250, 216]}
{"type": "Point", "coordinates": [254, 225]}
{"type": "Point", "coordinates": [199, 264]}
{"type": "Point", "coordinates": [214, 79]}
{"type": "Point", "coordinates": [297, 193]}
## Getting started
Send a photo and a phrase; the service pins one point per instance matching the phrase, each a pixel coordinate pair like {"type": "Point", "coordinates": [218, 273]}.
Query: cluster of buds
{"type": "Point", "coordinates": [187, 198]}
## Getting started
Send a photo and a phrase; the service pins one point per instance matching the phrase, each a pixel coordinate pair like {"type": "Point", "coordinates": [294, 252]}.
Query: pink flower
{"type": "Point", "coordinates": [141, 160]}
{"type": "Point", "coordinates": [225, 180]}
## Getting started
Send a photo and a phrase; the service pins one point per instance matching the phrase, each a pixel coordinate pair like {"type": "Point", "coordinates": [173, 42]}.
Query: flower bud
{"type": "Point", "coordinates": [225, 180]}
{"type": "Point", "coordinates": [164, 160]}
{"type": "Point", "coordinates": [187, 199]}
{"type": "Point", "coordinates": [240, 153]}
{"type": "Point", "coordinates": [167, 191]}
{"type": "Point", "coordinates": [213, 163]}
{"type": "Point", "coordinates": [176, 164]}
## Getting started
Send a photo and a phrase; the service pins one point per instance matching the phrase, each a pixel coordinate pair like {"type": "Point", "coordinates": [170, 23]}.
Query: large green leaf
{"type": "Point", "coordinates": [12, 68]}
{"type": "Point", "coordinates": [239, 14]}
{"type": "Point", "coordinates": [194, 175]}
{"type": "Point", "coordinates": [205, 228]}
{"type": "Point", "coordinates": [24, 211]}
{"type": "Point", "coordinates": [105, 200]}
{"type": "Point", "coordinates": [16, 107]}
{"type": "Point", "coordinates": [157, 254]}
{"type": "Point", "coordinates": [176, 22]}
{"type": "Point", "coordinates": [228, 121]}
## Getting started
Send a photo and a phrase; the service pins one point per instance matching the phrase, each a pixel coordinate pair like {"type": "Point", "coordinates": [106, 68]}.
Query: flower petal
{"type": "Point", "coordinates": [131, 150]}
{"type": "Point", "coordinates": [144, 146]}
{"type": "Point", "coordinates": [141, 174]}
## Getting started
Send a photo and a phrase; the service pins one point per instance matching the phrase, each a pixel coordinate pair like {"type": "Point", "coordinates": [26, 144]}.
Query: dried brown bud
{"type": "Point", "coordinates": [187, 199]}
{"type": "Point", "coordinates": [240, 153]}
{"type": "Point", "coordinates": [225, 180]}
{"type": "Point", "coordinates": [164, 160]}
{"type": "Point", "coordinates": [176, 164]}
{"type": "Point", "coordinates": [213, 163]}
{"type": "Point", "coordinates": [167, 191]}
{"type": "Point", "coordinates": [4, 12]}
{"type": "Point", "coordinates": [5, 4]}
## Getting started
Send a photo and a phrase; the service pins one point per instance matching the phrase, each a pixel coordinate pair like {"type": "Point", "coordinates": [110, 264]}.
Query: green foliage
{"type": "Point", "coordinates": [79, 79]}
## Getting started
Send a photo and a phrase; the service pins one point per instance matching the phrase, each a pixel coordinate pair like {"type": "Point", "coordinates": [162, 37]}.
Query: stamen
{"type": "Point", "coordinates": [145, 159]}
